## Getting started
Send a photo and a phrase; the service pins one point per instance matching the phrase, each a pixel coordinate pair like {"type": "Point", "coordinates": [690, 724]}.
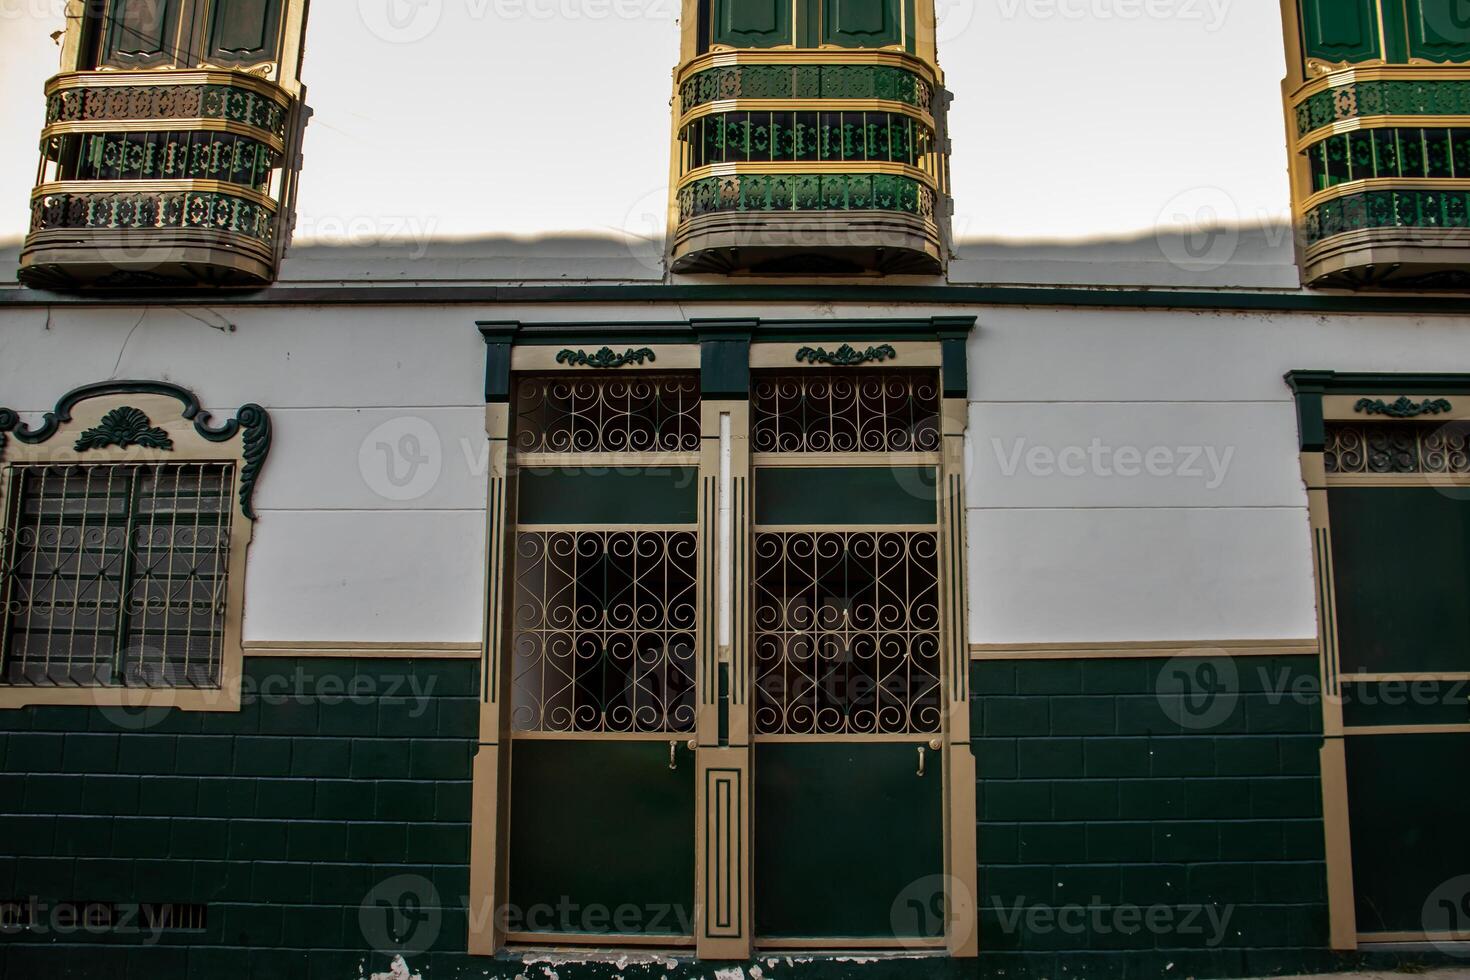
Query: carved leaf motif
{"type": "Point", "coordinates": [124, 427]}
{"type": "Point", "coordinates": [1402, 408]}
{"type": "Point", "coordinates": [846, 355]}
{"type": "Point", "coordinates": [605, 358]}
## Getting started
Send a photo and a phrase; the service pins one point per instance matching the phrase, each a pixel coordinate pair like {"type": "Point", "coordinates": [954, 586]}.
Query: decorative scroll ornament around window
{"type": "Point", "coordinates": [1396, 447]}
{"type": "Point", "coordinates": [846, 355]}
{"type": "Point", "coordinates": [252, 423]}
{"type": "Point", "coordinates": [1402, 408]}
{"type": "Point", "coordinates": [605, 358]}
{"type": "Point", "coordinates": [845, 412]}
{"type": "Point", "coordinates": [847, 633]}
{"type": "Point", "coordinates": [632, 413]}
{"type": "Point", "coordinates": [124, 427]}
{"type": "Point", "coordinates": [604, 631]}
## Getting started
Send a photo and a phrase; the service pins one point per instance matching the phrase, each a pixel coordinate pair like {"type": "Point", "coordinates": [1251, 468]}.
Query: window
{"type": "Point", "coordinates": [125, 523]}
{"type": "Point", "coordinates": [116, 574]}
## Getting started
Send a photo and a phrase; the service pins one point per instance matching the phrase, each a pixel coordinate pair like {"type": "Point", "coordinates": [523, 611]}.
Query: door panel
{"type": "Point", "coordinates": [1340, 30]}
{"type": "Point", "coordinates": [752, 23]}
{"type": "Point", "coordinates": [1439, 30]}
{"type": "Point", "coordinates": [140, 34]}
{"type": "Point", "coordinates": [846, 835]}
{"type": "Point", "coordinates": [861, 23]}
{"type": "Point", "coordinates": [242, 32]}
{"type": "Point", "coordinates": [602, 825]}
{"type": "Point", "coordinates": [1409, 808]}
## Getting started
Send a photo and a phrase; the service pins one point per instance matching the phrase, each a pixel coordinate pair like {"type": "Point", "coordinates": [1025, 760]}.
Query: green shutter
{"type": "Point", "coordinates": [840, 495]}
{"type": "Point", "coordinates": [752, 23]}
{"type": "Point", "coordinates": [1439, 30]}
{"type": "Point", "coordinates": [1340, 30]}
{"type": "Point", "coordinates": [862, 23]}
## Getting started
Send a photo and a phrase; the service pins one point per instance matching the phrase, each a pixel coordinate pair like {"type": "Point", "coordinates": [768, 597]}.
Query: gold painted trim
{"type": "Point", "coordinates": [1379, 678]}
{"type": "Point", "coordinates": [875, 459]}
{"type": "Point", "coordinates": [927, 739]}
{"type": "Point", "coordinates": [1414, 937]}
{"type": "Point", "coordinates": [167, 77]}
{"type": "Point", "coordinates": [583, 461]}
{"type": "Point", "coordinates": [1338, 846]}
{"type": "Point", "coordinates": [1351, 187]}
{"type": "Point", "coordinates": [306, 649]}
{"type": "Point", "coordinates": [609, 528]}
{"type": "Point", "coordinates": [798, 104]}
{"type": "Point", "coordinates": [1405, 729]}
{"type": "Point", "coordinates": [156, 186]}
{"type": "Point", "coordinates": [723, 57]}
{"type": "Point", "coordinates": [682, 738]}
{"type": "Point", "coordinates": [190, 124]}
{"type": "Point", "coordinates": [1142, 649]}
{"type": "Point", "coordinates": [1397, 480]}
{"type": "Point", "coordinates": [825, 528]}
{"type": "Point", "coordinates": [1356, 123]}
{"type": "Point", "coordinates": [553, 940]}
{"type": "Point", "coordinates": [863, 942]}
{"type": "Point", "coordinates": [542, 357]}
{"type": "Point", "coordinates": [908, 354]}
{"type": "Point", "coordinates": [797, 167]}
{"type": "Point", "coordinates": [1377, 73]}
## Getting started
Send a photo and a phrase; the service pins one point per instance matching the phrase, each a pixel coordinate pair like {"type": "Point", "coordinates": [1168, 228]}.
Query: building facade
{"type": "Point", "coordinates": [797, 583]}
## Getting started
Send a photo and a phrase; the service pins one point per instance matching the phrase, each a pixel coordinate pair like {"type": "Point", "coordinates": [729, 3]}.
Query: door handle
{"type": "Point", "coordinates": [934, 744]}
{"type": "Point", "coordinates": [673, 753]}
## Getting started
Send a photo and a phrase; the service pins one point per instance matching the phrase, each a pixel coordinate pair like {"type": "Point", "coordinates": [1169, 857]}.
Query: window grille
{"type": "Point", "coordinates": [847, 633]}
{"type": "Point", "coordinates": [1397, 447]}
{"type": "Point", "coordinates": [604, 631]}
{"type": "Point", "coordinates": [640, 413]}
{"type": "Point", "coordinates": [115, 574]}
{"type": "Point", "coordinates": [864, 411]}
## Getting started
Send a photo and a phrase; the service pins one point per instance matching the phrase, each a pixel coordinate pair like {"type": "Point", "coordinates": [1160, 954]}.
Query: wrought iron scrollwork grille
{"type": "Point", "coordinates": [1398, 447]}
{"type": "Point", "coordinates": [642, 413]}
{"type": "Point", "coordinates": [604, 631]}
{"type": "Point", "coordinates": [847, 633]}
{"type": "Point", "coordinates": [845, 412]}
{"type": "Point", "coordinates": [116, 574]}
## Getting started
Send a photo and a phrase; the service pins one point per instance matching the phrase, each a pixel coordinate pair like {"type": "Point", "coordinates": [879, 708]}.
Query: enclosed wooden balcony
{"type": "Point", "coordinates": [152, 177]}
{"type": "Point", "coordinates": [808, 161]}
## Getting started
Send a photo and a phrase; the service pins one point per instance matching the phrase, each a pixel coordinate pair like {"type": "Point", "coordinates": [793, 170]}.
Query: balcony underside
{"type": "Point", "coordinates": [1408, 258]}
{"type": "Point", "coordinates": [844, 243]}
{"type": "Point", "coordinates": [72, 258]}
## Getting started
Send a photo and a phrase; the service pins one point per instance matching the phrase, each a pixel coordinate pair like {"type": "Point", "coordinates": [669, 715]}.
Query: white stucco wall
{"type": "Point", "coordinates": [1203, 548]}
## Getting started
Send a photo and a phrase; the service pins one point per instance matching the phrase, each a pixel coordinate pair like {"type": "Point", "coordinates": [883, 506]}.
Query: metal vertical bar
{"type": "Point", "coordinates": [124, 593]}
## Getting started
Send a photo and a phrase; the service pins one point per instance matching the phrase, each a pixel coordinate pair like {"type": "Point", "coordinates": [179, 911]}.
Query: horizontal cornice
{"type": "Point", "coordinates": [754, 293]}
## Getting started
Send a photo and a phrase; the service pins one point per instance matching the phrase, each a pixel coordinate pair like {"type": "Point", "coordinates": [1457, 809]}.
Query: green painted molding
{"type": "Point", "coordinates": [1137, 298]}
{"type": "Point", "coordinates": [499, 335]}
{"type": "Point", "coordinates": [846, 355]}
{"type": "Point", "coordinates": [251, 422]}
{"type": "Point", "coordinates": [1310, 386]}
{"type": "Point", "coordinates": [123, 427]}
{"type": "Point", "coordinates": [604, 358]}
{"type": "Point", "coordinates": [1403, 408]}
{"type": "Point", "coordinates": [724, 356]}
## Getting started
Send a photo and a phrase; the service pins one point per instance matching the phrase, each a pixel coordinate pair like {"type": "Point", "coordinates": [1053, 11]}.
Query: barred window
{"type": "Point", "coordinates": [865, 411]}
{"type": "Point", "coordinates": [604, 631]}
{"type": "Point", "coordinates": [115, 574]}
{"type": "Point", "coordinates": [633, 413]}
{"type": "Point", "coordinates": [847, 633]}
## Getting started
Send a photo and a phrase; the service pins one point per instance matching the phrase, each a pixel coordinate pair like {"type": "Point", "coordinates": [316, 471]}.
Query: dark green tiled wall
{"type": "Point", "coordinates": [279, 818]}
{"type": "Point", "coordinates": [1093, 794]}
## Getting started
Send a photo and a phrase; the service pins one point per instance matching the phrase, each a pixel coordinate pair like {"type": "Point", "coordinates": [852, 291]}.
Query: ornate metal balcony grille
{"type": "Point", "coordinates": [604, 631]}
{"type": "Point", "coordinates": [847, 633]}
{"type": "Point", "coordinates": [1398, 447]}
{"type": "Point", "coordinates": [623, 414]}
{"type": "Point", "coordinates": [116, 574]}
{"type": "Point", "coordinates": [845, 412]}
{"type": "Point", "coordinates": [745, 137]}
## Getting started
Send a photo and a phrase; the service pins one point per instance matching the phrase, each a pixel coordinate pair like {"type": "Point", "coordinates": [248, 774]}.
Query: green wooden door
{"type": "Point", "coordinates": [242, 32]}
{"type": "Point", "coordinates": [1409, 809]}
{"type": "Point", "coordinates": [141, 34]}
{"type": "Point", "coordinates": [752, 23]}
{"type": "Point", "coordinates": [861, 23]}
{"type": "Point", "coordinates": [848, 841]}
{"type": "Point", "coordinates": [601, 837]}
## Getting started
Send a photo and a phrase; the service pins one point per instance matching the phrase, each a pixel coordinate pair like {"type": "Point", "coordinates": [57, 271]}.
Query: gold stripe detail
{"type": "Point", "coordinates": [192, 124]}
{"type": "Point", "coordinates": [351, 648]}
{"type": "Point", "coordinates": [806, 56]}
{"type": "Point", "coordinates": [1351, 187]}
{"type": "Point", "coordinates": [798, 104]}
{"type": "Point", "coordinates": [1405, 729]}
{"type": "Point", "coordinates": [1141, 648]}
{"type": "Point", "coordinates": [775, 168]}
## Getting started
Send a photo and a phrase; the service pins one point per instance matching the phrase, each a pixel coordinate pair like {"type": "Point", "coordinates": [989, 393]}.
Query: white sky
{"type": "Point", "coordinates": [1072, 119]}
